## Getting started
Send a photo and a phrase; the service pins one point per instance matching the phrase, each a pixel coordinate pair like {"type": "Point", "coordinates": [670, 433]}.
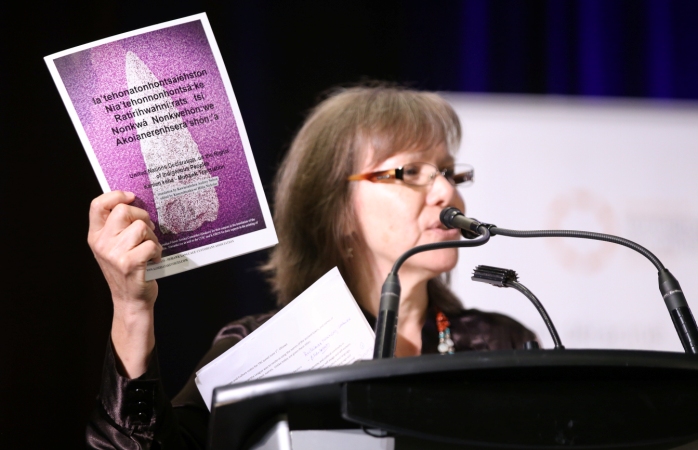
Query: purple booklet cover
{"type": "Point", "coordinates": [157, 116]}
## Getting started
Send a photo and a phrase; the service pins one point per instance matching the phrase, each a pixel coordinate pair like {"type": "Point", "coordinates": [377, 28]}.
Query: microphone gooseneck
{"type": "Point", "coordinates": [581, 235]}
{"type": "Point", "coordinates": [671, 291]}
{"type": "Point", "coordinates": [386, 323]}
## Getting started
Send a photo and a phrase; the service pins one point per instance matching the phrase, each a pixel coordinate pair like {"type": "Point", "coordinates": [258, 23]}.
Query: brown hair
{"type": "Point", "coordinates": [313, 210]}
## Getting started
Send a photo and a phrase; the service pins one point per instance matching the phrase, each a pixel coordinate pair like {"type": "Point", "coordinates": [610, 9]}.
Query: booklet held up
{"type": "Point", "coordinates": [157, 116]}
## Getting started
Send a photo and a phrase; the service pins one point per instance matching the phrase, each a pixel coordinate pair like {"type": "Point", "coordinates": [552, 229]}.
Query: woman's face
{"type": "Point", "coordinates": [394, 217]}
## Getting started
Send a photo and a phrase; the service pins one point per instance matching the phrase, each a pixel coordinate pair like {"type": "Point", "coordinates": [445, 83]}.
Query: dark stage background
{"type": "Point", "coordinates": [281, 56]}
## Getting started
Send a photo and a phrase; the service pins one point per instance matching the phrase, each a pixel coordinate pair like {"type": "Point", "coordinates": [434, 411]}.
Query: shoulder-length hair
{"type": "Point", "coordinates": [313, 211]}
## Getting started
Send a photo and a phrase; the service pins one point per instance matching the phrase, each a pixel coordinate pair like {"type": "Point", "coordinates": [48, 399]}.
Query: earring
{"type": "Point", "coordinates": [350, 252]}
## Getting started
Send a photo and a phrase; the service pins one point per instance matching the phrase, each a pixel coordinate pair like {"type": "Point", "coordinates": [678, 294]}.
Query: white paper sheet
{"type": "Point", "coordinates": [322, 327]}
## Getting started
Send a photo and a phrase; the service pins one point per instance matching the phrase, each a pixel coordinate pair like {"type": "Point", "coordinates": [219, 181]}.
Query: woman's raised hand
{"type": "Point", "coordinates": [122, 239]}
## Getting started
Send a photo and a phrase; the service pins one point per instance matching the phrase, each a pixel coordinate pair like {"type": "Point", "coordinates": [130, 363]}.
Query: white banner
{"type": "Point", "coordinates": [628, 168]}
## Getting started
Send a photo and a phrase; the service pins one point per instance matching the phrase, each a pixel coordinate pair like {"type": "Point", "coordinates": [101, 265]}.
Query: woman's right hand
{"type": "Point", "coordinates": [122, 239]}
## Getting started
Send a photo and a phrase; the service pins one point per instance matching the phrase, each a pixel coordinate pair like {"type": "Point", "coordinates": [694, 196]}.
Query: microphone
{"type": "Point", "coordinates": [453, 218]}
{"type": "Point", "coordinates": [680, 312]}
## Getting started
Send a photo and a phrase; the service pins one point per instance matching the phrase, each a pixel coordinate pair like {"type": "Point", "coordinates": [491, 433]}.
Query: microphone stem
{"type": "Point", "coordinates": [539, 306]}
{"type": "Point", "coordinates": [671, 291]}
{"type": "Point", "coordinates": [482, 239]}
{"type": "Point", "coordinates": [386, 322]}
{"type": "Point", "coordinates": [582, 235]}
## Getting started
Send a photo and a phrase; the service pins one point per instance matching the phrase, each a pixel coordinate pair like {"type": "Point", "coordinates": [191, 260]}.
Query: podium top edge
{"type": "Point", "coordinates": [463, 361]}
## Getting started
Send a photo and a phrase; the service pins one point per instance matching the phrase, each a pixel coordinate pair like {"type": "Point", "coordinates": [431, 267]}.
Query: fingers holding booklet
{"type": "Point", "coordinates": [122, 240]}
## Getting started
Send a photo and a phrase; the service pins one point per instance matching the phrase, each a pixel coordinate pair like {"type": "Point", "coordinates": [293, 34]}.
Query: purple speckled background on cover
{"type": "Point", "coordinates": [167, 53]}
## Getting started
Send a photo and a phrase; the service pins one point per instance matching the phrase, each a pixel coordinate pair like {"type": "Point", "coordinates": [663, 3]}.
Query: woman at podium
{"type": "Point", "coordinates": [364, 180]}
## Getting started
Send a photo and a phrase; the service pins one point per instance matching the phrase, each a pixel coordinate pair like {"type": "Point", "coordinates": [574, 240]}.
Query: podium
{"type": "Point", "coordinates": [517, 399]}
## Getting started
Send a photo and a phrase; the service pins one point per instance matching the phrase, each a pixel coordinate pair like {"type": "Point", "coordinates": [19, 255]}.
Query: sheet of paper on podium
{"type": "Point", "coordinates": [322, 327]}
{"type": "Point", "coordinates": [157, 116]}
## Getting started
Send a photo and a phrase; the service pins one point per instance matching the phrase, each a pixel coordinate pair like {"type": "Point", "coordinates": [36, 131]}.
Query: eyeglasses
{"type": "Point", "coordinates": [421, 174]}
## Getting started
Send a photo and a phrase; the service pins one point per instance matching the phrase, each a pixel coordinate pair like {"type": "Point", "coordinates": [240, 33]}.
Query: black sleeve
{"type": "Point", "coordinates": [136, 413]}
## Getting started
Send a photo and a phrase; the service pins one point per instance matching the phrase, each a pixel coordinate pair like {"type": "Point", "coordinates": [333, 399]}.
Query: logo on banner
{"type": "Point", "coordinates": [585, 211]}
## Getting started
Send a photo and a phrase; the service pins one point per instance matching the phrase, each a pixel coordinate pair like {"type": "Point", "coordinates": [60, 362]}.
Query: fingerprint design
{"type": "Point", "coordinates": [186, 203]}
